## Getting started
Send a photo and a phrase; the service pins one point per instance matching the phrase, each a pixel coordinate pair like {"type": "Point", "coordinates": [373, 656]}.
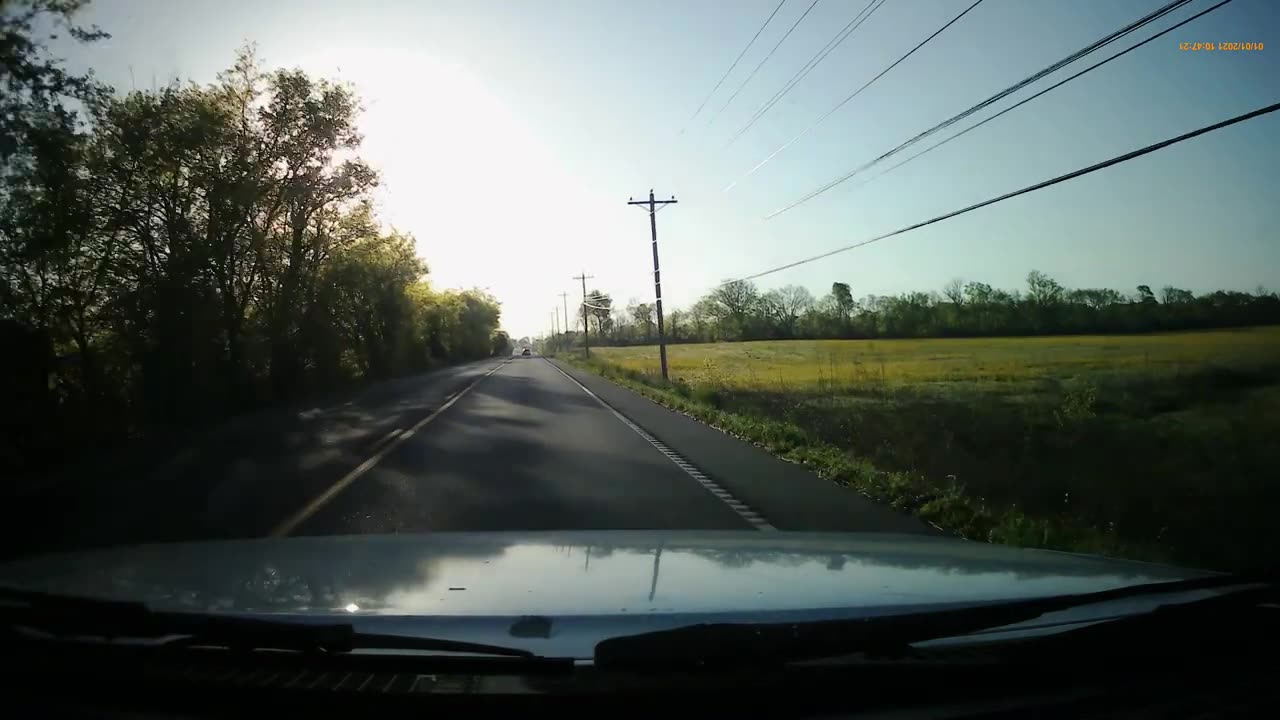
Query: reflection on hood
{"type": "Point", "coordinates": [567, 573]}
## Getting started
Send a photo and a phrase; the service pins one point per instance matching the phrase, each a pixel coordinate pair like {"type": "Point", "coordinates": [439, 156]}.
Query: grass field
{"type": "Point", "coordinates": [1161, 446]}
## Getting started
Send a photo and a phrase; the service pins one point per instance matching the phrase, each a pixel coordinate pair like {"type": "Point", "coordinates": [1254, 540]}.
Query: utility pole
{"type": "Point", "coordinates": [657, 275]}
{"type": "Point", "coordinates": [555, 329]}
{"type": "Point", "coordinates": [586, 339]}
{"type": "Point", "coordinates": [564, 297]}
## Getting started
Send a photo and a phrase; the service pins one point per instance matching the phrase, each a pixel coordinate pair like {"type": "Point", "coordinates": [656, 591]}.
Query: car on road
{"type": "Point", "coordinates": [785, 624]}
{"type": "Point", "coordinates": [526, 352]}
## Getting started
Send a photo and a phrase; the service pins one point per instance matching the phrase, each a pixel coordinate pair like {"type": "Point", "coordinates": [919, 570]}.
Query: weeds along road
{"type": "Point", "coordinates": [502, 444]}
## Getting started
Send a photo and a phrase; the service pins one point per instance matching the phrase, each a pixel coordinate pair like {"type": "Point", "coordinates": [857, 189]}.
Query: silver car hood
{"type": "Point", "coordinates": [589, 584]}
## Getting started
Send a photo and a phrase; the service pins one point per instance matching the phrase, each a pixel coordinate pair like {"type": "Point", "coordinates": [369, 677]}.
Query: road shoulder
{"type": "Point", "coordinates": [789, 496]}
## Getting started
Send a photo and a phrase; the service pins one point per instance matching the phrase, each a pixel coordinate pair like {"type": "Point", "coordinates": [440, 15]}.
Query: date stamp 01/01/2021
{"type": "Point", "coordinates": [1220, 47]}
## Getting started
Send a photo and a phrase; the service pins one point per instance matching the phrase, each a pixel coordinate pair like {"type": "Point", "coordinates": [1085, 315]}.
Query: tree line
{"type": "Point", "coordinates": [175, 255]}
{"type": "Point", "coordinates": [739, 310]}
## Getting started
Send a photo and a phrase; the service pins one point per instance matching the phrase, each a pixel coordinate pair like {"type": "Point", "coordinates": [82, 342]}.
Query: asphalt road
{"type": "Point", "coordinates": [516, 443]}
{"type": "Point", "coordinates": [525, 449]}
{"type": "Point", "coordinates": [539, 446]}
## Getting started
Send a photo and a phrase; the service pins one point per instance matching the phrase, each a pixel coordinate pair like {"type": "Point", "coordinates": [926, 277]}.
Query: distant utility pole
{"type": "Point", "coordinates": [586, 339]}
{"type": "Point", "coordinates": [564, 297]}
{"type": "Point", "coordinates": [657, 275]}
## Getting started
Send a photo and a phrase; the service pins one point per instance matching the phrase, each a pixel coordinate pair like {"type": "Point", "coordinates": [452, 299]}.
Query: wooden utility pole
{"type": "Point", "coordinates": [657, 274]}
{"type": "Point", "coordinates": [586, 339]}
{"type": "Point", "coordinates": [564, 297]}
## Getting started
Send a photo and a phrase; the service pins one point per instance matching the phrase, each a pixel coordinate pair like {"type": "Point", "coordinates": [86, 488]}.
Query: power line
{"type": "Point", "coordinates": [994, 98]}
{"type": "Point", "coordinates": [734, 65]}
{"type": "Point", "coordinates": [1030, 188]}
{"type": "Point", "coordinates": [762, 62]}
{"type": "Point", "coordinates": [808, 67]}
{"type": "Point", "coordinates": [863, 15]}
{"type": "Point", "coordinates": [855, 94]}
{"type": "Point", "coordinates": [1056, 85]}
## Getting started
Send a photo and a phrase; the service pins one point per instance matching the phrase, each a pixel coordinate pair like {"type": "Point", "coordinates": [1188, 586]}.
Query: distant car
{"type": "Point", "coordinates": [526, 352]}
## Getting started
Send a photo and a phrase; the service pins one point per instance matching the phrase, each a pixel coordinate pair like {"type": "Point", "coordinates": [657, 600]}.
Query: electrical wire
{"type": "Point", "coordinates": [1056, 85]}
{"type": "Point", "coordinates": [855, 94]}
{"type": "Point", "coordinates": [1030, 188]}
{"type": "Point", "coordinates": [1106, 40]}
{"type": "Point", "coordinates": [734, 65]}
{"type": "Point", "coordinates": [762, 62]}
{"type": "Point", "coordinates": [808, 67]}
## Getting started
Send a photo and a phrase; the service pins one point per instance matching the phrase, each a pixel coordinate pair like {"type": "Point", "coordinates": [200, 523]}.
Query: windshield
{"type": "Point", "coordinates": [601, 307]}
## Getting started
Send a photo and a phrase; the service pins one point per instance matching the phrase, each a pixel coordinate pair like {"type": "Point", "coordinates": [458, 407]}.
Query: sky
{"type": "Point", "coordinates": [510, 135]}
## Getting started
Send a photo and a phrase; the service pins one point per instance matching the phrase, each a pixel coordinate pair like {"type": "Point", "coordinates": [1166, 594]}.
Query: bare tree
{"type": "Point", "coordinates": [791, 302]}
{"type": "Point", "coordinates": [954, 291]}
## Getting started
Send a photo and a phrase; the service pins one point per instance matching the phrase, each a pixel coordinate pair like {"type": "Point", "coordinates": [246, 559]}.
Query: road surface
{"type": "Point", "coordinates": [522, 443]}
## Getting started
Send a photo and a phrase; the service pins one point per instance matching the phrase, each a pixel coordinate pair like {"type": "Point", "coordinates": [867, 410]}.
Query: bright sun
{"type": "Point", "coordinates": [459, 170]}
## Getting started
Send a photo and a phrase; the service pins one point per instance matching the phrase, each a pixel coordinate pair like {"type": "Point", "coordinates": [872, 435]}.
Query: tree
{"type": "Point", "coordinates": [1095, 298]}
{"type": "Point", "coordinates": [954, 291]}
{"type": "Point", "coordinates": [501, 343]}
{"type": "Point", "coordinates": [599, 306]}
{"type": "Point", "coordinates": [1170, 295]}
{"type": "Point", "coordinates": [978, 293]}
{"type": "Point", "coordinates": [1145, 296]}
{"type": "Point", "coordinates": [843, 298]}
{"type": "Point", "coordinates": [1044, 294]}
{"type": "Point", "coordinates": [738, 311]}
{"type": "Point", "coordinates": [642, 316]}
{"type": "Point", "coordinates": [791, 301]}
{"type": "Point", "coordinates": [1043, 290]}
{"type": "Point", "coordinates": [37, 88]}
{"type": "Point", "coordinates": [193, 251]}
{"type": "Point", "coordinates": [732, 303]}
{"type": "Point", "coordinates": [675, 323]}
{"type": "Point", "coordinates": [769, 320]}
{"type": "Point", "coordinates": [703, 316]}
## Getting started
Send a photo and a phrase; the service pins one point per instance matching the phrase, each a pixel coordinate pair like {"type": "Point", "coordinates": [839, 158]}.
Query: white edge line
{"type": "Point", "coordinates": [744, 511]}
{"type": "Point", "coordinates": [388, 437]}
{"type": "Point", "coordinates": [320, 500]}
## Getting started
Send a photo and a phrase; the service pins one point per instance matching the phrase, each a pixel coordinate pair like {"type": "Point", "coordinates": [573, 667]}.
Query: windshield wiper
{"type": "Point", "coordinates": [719, 645]}
{"type": "Point", "coordinates": [62, 616]}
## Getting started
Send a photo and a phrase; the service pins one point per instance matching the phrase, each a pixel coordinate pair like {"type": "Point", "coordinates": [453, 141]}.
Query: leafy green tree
{"type": "Point", "coordinates": [36, 92]}
{"type": "Point", "coordinates": [843, 298]}
{"type": "Point", "coordinates": [1170, 295]}
{"type": "Point", "coordinates": [191, 251]}
{"type": "Point", "coordinates": [738, 311]}
{"type": "Point", "coordinates": [599, 306]}
{"type": "Point", "coordinates": [642, 314]}
{"type": "Point", "coordinates": [732, 306]}
{"type": "Point", "coordinates": [501, 343]}
{"type": "Point", "coordinates": [675, 324]}
{"type": "Point", "coordinates": [1043, 290]}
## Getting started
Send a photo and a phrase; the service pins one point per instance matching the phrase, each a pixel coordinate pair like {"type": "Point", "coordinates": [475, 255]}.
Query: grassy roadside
{"type": "Point", "coordinates": [940, 500]}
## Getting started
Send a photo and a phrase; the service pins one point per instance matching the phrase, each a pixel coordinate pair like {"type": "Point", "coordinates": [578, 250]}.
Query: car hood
{"type": "Point", "coordinates": [591, 585]}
